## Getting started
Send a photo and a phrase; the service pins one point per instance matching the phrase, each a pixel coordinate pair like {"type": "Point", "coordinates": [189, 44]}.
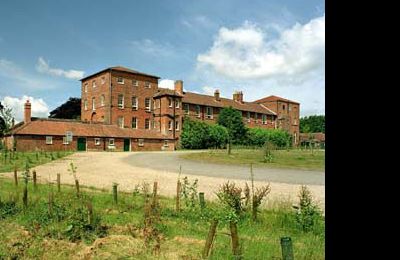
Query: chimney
{"type": "Point", "coordinates": [27, 112]}
{"type": "Point", "coordinates": [216, 95]}
{"type": "Point", "coordinates": [179, 86]}
{"type": "Point", "coordinates": [238, 96]}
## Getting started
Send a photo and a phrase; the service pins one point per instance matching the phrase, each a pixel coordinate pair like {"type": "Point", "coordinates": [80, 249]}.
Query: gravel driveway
{"type": "Point", "coordinates": [101, 169]}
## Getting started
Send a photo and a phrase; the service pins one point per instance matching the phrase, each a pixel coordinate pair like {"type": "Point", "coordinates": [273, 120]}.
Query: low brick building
{"type": "Point", "coordinates": [124, 109]}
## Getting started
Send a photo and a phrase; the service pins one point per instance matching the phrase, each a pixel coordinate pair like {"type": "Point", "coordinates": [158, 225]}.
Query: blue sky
{"type": "Point", "coordinates": [260, 47]}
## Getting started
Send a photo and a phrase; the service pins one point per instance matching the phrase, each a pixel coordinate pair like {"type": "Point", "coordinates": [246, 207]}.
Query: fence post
{"type": "Point", "coordinates": [25, 193]}
{"type": "Point", "coordinates": [235, 240]}
{"type": "Point", "coordinates": [202, 201]}
{"type": "Point", "coordinates": [115, 192]}
{"type": "Point", "coordinates": [178, 196]}
{"type": "Point", "coordinates": [210, 238]}
{"type": "Point", "coordinates": [287, 248]}
{"type": "Point", "coordinates": [155, 193]}
{"type": "Point", "coordinates": [58, 182]}
{"type": "Point", "coordinates": [51, 202]}
{"type": "Point", "coordinates": [15, 176]}
{"type": "Point", "coordinates": [77, 187]}
{"type": "Point", "coordinates": [34, 180]}
{"type": "Point", "coordinates": [90, 212]}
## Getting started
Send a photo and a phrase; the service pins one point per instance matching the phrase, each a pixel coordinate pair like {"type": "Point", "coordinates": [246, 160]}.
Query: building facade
{"type": "Point", "coordinates": [123, 109]}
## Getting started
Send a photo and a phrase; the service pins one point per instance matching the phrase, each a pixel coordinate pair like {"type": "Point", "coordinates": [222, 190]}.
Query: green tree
{"type": "Point", "coordinates": [6, 119]}
{"type": "Point", "coordinates": [71, 109]}
{"type": "Point", "coordinates": [312, 124]}
{"type": "Point", "coordinates": [233, 121]}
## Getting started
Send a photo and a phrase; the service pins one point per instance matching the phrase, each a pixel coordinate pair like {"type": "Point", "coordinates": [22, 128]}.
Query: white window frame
{"type": "Point", "coordinates": [147, 107]}
{"type": "Point", "coordinates": [93, 103]}
{"type": "Point", "coordinates": [147, 84]}
{"type": "Point", "coordinates": [102, 98]}
{"type": "Point", "coordinates": [49, 139]}
{"type": "Point", "coordinates": [85, 104]}
{"type": "Point", "coordinates": [111, 142]}
{"type": "Point", "coordinates": [97, 141]}
{"type": "Point", "coordinates": [170, 125]}
{"type": "Point", "coordinates": [264, 119]}
{"type": "Point", "coordinates": [165, 143]}
{"type": "Point", "coordinates": [120, 123]}
{"type": "Point", "coordinates": [135, 83]}
{"type": "Point", "coordinates": [177, 103]}
{"type": "Point", "coordinates": [94, 84]}
{"type": "Point", "coordinates": [176, 125]}
{"type": "Point", "coordinates": [134, 104]}
{"type": "Point", "coordinates": [211, 115]}
{"type": "Point", "coordinates": [85, 87]}
{"type": "Point", "coordinates": [134, 119]}
{"type": "Point", "coordinates": [121, 106]}
{"type": "Point", "coordinates": [198, 111]}
{"type": "Point", "coordinates": [147, 124]}
{"type": "Point", "coordinates": [65, 140]}
{"type": "Point", "coordinates": [187, 111]}
{"type": "Point", "coordinates": [170, 102]}
{"type": "Point", "coordinates": [141, 142]}
{"type": "Point", "coordinates": [103, 80]}
{"type": "Point", "coordinates": [120, 82]}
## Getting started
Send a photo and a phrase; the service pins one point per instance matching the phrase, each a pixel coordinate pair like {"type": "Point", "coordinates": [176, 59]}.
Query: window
{"type": "Point", "coordinates": [135, 83]}
{"type": "Point", "coordinates": [134, 103]}
{"type": "Point", "coordinates": [120, 101]}
{"type": "Point", "coordinates": [264, 119]}
{"type": "Point", "coordinates": [176, 125]}
{"type": "Point", "coordinates": [197, 110]}
{"type": "Point", "coordinates": [165, 143]}
{"type": "Point", "coordinates": [154, 124]}
{"type": "Point", "coordinates": [85, 104]}
{"type": "Point", "coordinates": [134, 122]}
{"type": "Point", "coordinates": [103, 80]}
{"type": "Point", "coordinates": [147, 123]}
{"type": "Point", "coordinates": [97, 141]}
{"type": "Point", "coordinates": [94, 84]}
{"type": "Point", "coordinates": [176, 103]}
{"type": "Point", "coordinates": [158, 101]}
{"type": "Point", "coordinates": [170, 125]}
{"type": "Point", "coordinates": [49, 140]}
{"type": "Point", "coordinates": [121, 121]}
{"type": "Point", "coordinates": [209, 112]}
{"type": "Point", "coordinates": [141, 142]}
{"type": "Point", "coordinates": [283, 107]}
{"type": "Point", "coordinates": [256, 117]}
{"type": "Point", "coordinates": [65, 140]}
{"type": "Point", "coordinates": [170, 102]}
{"type": "Point", "coordinates": [147, 85]}
{"type": "Point", "coordinates": [248, 116]}
{"type": "Point", "coordinates": [290, 107]}
{"type": "Point", "coordinates": [111, 142]}
{"type": "Point", "coordinates": [186, 109]}
{"type": "Point", "coordinates": [102, 100]}
{"type": "Point", "coordinates": [120, 80]}
{"type": "Point", "coordinates": [85, 87]}
{"type": "Point", "coordinates": [93, 104]}
{"type": "Point", "coordinates": [147, 104]}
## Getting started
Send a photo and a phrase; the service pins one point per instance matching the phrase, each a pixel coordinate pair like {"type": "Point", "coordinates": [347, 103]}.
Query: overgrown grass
{"type": "Point", "coordinates": [292, 159]}
{"type": "Point", "coordinates": [32, 233]}
{"type": "Point", "coordinates": [8, 160]}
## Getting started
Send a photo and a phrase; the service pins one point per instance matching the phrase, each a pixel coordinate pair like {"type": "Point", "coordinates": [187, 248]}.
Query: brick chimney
{"type": "Point", "coordinates": [216, 95]}
{"type": "Point", "coordinates": [238, 96]}
{"type": "Point", "coordinates": [179, 86]}
{"type": "Point", "coordinates": [27, 112]}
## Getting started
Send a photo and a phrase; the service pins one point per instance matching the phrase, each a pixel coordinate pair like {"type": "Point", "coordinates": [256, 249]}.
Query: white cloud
{"type": "Point", "coordinates": [43, 67]}
{"type": "Point", "coordinates": [208, 90]}
{"type": "Point", "coordinates": [197, 21]}
{"type": "Point", "coordinates": [39, 106]}
{"type": "Point", "coordinates": [166, 83]}
{"type": "Point", "coordinates": [150, 47]}
{"type": "Point", "coordinates": [247, 52]}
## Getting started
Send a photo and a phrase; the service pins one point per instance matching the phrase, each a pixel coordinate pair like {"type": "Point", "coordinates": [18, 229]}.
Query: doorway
{"type": "Point", "coordinates": [127, 145]}
{"type": "Point", "coordinates": [81, 144]}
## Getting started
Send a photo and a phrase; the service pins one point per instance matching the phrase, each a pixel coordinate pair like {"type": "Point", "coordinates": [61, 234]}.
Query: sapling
{"type": "Point", "coordinates": [72, 170]}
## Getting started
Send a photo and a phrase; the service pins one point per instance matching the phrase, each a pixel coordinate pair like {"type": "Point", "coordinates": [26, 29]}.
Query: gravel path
{"type": "Point", "coordinates": [101, 169]}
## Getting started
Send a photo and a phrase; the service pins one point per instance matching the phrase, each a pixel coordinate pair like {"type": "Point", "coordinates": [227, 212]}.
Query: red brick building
{"type": "Point", "coordinates": [123, 109]}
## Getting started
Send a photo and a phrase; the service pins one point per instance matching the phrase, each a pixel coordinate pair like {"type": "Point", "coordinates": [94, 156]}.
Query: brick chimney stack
{"type": "Point", "coordinates": [238, 96]}
{"type": "Point", "coordinates": [27, 112]}
{"type": "Point", "coordinates": [216, 95]}
{"type": "Point", "coordinates": [179, 86]}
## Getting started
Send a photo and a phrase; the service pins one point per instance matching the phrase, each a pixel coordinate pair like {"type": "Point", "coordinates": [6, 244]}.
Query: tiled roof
{"type": "Point", "coordinates": [275, 98]}
{"type": "Point", "coordinates": [123, 69]}
{"type": "Point", "coordinates": [44, 126]}
{"type": "Point", "coordinates": [166, 91]}
{"type": "Point", "coordinates": [205, 100]}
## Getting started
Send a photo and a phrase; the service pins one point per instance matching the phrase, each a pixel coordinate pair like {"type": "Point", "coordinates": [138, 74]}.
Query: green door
{"type": "Point", "coordinates": [81, 144]}
{"type": "Point", "coordinates": [127, 145]}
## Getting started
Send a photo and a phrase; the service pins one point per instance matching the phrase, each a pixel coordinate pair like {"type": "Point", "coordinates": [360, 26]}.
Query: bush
{"type": "Point", "coordinates": [199, 135]}
{"type": "Point", "coordinates": [259, 136]}
{"type": "Point", "coordinates": [308, 213]}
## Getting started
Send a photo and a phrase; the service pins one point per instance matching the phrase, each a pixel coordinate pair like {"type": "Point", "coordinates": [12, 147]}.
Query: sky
{"type": "Point", "coordinates": [274, 47]}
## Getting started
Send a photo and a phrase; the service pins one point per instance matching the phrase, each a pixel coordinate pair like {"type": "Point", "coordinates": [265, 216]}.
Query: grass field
{"type": "Point", "coordinates": [9, 160]}
{"type": "Point", "coordinates": [292, 159]}
{"type": "Point", "coordinates": [118, 230]}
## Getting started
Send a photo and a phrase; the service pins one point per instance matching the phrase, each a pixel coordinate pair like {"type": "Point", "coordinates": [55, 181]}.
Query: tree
{"type": "Point", "coordinates": [69, 110]}
{"type": "Point", "coordinates": [6, 119]}
{"type": "Point", "coordinates": [312, 124]}
{"type": "Point", "coordinates": [233, 121]}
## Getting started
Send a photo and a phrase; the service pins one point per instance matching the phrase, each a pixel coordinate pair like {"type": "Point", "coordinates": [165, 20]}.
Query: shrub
{"type": "Point", "coordinates": [8, 208]}
{"type": "Point", "coordinates": [218, 136]}
{"type": "Point", "coordinates": [308, 213]}
{"type": "Point", "coordinates": [258, 137]}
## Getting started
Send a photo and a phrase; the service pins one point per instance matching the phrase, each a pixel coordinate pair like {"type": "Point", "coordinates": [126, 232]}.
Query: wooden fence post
{"type": "Point", "coordinates": [34, 180]}
{"type": "Point", "coordinates": [58, 182]}
{"type": "Point", "coordinates": [178, 196]}
{"type": "Point", "coordinates": [77, 187]}
{"type": "Point", "coordinates": [287, 248]}
{"type": "Point", "coordinates": [15, 176]}
{"type": "Point", "coordinates": [202, 201]}
{"type": "Point", "coordinates": [25, 193]}
{"type": "Point", "coordinates": [155, 186]}
{"type": "Point", "coordinates": [90, 212]}
{"type": "Point", "coordinates": [51, 202]}
{"type": "Point", "coordinates": [210, 238]}
{"type": "Point", "coordinates": [115, 192]}
{"type": "Point", "coordinates": [235, 240]}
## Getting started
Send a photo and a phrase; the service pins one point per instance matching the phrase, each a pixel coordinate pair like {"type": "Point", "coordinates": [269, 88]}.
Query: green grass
{"type": "Point", "coordinates": [31, 233]}
{"type": "Point", "coordinates": [9, 160]}
{"type": "Point", "coordinates": [291, 159]}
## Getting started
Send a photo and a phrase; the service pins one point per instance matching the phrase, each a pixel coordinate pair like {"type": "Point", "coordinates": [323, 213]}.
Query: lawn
{"type": "Point", "coordinates": [8, 160]}
{"type": "Point", "coordinates": [117, 230]}
{"type": "Point", "coordinates": [292, 159]}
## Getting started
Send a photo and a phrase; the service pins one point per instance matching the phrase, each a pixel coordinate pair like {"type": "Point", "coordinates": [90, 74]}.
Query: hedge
{"type": "Point", "coordinates": [259, 136]}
